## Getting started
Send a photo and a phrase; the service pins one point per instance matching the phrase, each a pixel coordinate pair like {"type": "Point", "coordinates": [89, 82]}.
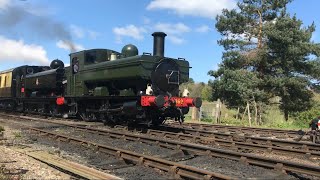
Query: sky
{"type": "Point", "coordinates": [39, 31]}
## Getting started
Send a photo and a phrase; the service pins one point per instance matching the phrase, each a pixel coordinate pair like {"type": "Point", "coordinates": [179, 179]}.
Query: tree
{"type": "Point", "coordinates": [206, 93]}
{"type": "Point", "coordinates": [238, 87]}
{"type": "Point", "coordinates": [191, 80]}
{"type": "Point", "coordinates": [239, 78]}
{"type": "Point", "coordinates": [291, 66]}
{"type": "Point", "coordinates": [267, 54]}
{"type": "Point", "coordinates": [195, 89]}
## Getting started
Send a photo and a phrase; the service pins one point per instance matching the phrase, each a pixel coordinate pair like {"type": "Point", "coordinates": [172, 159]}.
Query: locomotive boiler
{"type": "Point", "coordinates": [106, 85]}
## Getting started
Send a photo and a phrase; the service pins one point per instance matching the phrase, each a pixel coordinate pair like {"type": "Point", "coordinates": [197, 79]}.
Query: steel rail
{"type": "Point", "coordinates": [175, 169]}
{"type": "Point", "coordinates": [259, 143]}
{"type": "Point", "coordinates": [198, 140]}
{"type": "Point", "coordinates": [68, 166]}
{"type": "Point", "coordinates": [282, 165]}
{"type": "Point", "coordinates": [270, 131]}
{"type": "Point", "coordinates": [205, 150]}
{"type": "Point", "coordinates": [236, 136]}
{"type": "Point", "coordinates": [237, 144]}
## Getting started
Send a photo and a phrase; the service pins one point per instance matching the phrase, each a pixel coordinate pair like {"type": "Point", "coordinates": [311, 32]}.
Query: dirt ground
{"type": "Point", "coordinates": [15, 165]}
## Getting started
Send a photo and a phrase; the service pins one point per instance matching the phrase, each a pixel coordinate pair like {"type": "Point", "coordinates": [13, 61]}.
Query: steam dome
{"type": "Point", "coordinates": [57, 64]}
{"type": "Point", "coordinates": [130, 50]}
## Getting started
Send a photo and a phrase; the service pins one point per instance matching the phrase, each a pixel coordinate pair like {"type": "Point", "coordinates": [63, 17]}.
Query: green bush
{"type": "Point", "coordinates": [303, 118]}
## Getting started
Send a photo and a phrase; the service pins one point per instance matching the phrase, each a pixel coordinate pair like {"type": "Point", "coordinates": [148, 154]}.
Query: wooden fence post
{"type": "Point", "coordinates": [237, 116]}
{"type": "Point", "coordinates": [218, 111]}
{"type": "Point", "coordinates": [256, 112]}
{"type": "Point", "coordinates": [195, 114]}
{"type": "Point", "coordinates": [249, 115]}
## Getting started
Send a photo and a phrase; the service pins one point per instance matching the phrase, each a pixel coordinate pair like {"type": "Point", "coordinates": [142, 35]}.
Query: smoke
{"type": "Point", "coordinates": [15, 19]}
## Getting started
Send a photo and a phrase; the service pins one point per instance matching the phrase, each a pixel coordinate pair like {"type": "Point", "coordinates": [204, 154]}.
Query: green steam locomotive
{"type": "Point", "coordinates": [103, 85]}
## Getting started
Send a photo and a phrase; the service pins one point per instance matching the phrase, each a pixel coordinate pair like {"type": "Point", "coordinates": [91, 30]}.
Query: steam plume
{"type": "Point", "coordinates": [17, 19]}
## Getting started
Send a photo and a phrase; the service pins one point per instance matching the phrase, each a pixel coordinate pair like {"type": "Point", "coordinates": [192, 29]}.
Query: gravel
{"type": "Point", "coordinates": [119, 168]}
{"type": "Point", "coordinates": [219, 165]}
{"type": "Point", "coordinates": [15, 165]}
{"type": "Point", "coordinates": [235, 168]}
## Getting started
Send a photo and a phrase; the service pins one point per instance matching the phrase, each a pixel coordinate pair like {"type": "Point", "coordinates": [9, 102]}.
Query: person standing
{"type": "Point", "coordinates": [314, 125]}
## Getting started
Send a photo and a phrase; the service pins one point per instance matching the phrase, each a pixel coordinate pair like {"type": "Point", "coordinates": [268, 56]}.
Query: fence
{"type": "Point", "coordinates": [210, 111]}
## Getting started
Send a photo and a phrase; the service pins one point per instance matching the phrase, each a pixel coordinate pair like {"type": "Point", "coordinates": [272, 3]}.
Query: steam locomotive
{"type": "Point", "coordinates": [103, 85]}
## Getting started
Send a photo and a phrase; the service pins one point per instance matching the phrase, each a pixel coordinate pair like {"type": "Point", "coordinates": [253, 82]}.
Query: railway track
{"type": "Point", "coordinates": [237, 129]}
{"type": "Point", "coordinates": [238, 135]}
{"type": "Point", "coordinates": [71, 167]}
{"type": "Point", "coordinates": [174, 169]}
{"type": "Point", "coordinates": [209, 151]}
{"type": "Point", "coordinates": [223, 139]}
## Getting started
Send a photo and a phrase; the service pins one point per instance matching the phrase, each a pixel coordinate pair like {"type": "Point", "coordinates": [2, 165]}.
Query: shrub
{"type": "Point", "coordinates": [303, 118]}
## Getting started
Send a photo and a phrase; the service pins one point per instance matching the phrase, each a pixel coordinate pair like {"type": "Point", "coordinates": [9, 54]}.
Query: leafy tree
{"type": "Point", "coordinates": [196, 89]}
{"type": "Point", "coordinates": [239, 77]}
{"type": "Point", "coordinates": [291, 68]}
{"type": "Point", "coordinates": [191, 80]}
{"type": "Point", "coordinates": [267, 54]}
{"type": "Point", "coordinates": [237, 87]}
{"type": "Point", "coordinates": [206, 93]}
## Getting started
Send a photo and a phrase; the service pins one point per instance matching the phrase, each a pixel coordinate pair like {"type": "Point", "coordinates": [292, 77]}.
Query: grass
{"type": "Point", "coordinates": [17, 134]}
{"type": "Point", "coordinates": [3, 174]}
{"type": "Point", "coordinates": [273, 118]}
{"type": "Point", "coordinates": [2, 129]}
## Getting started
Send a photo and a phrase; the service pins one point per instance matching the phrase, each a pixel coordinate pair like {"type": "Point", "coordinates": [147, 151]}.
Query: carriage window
{"type": "Point", "coordinates": [0, 81]}
{"type": "Point", "coordinates": [91, 57]}
{"type": "Point", "coordinates": [5, 81]}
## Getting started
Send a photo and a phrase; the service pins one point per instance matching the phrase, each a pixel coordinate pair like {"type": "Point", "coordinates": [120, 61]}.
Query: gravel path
{"type": "Point", "coordinates": [15, 165]}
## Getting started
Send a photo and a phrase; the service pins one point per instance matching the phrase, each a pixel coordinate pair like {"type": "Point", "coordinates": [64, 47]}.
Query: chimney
{"type": "Point", "coordinates": [158, 43]}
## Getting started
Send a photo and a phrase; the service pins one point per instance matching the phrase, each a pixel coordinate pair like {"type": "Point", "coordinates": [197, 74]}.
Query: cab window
{"type": "Point", "coordinates": [75, 65]}
{"type": "Point", "coordinates": [91, 57]}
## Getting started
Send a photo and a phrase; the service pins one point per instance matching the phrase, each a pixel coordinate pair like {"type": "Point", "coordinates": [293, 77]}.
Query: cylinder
{"type": "Point", "coordinates": [158, 43]}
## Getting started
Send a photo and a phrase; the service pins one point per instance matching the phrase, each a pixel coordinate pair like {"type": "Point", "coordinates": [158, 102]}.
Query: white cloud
{"type": "Point", "coordinates": [168, 28]}
{"type": "Point", "coordinates": [146, 20]}
{"type": "Point", "coordinates": [201, 8]}
{"type": "Point", "coordinates": [174, 31]}
{"type": "Point", "coordinates": [176, 40]}
{"type": "Point", "coordinates": [18, 51]}
{"type": "Point", "coordinates": [4, 4]}
{"type": "Point", "coordinates": [69, 47]}
{"type": "Point", "coordinates": [93, 34]}
{"type": "Point", "coordinates": [77, 31]}
{"type": "Point", "coordinates": [80, 32]}
{"type": "Point", "coordinates": [129, 31]}
{"type": "Point", "coordinates": [203, 29]}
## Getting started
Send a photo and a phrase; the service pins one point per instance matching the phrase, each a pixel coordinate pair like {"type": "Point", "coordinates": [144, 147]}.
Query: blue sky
{"type": "Point", "coordinates": [33, 38]}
